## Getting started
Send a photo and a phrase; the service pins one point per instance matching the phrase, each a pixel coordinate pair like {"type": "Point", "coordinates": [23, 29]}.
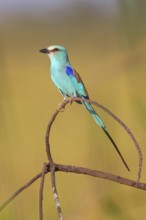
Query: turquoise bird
{"type": "Point", "coordinates": [70, 84]}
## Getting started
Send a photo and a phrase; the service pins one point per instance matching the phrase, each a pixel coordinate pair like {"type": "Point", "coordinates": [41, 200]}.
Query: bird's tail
{"type": "Point", "coordinates": [94, 114]}
{"type": "Point", "coordinates": [101, 124]}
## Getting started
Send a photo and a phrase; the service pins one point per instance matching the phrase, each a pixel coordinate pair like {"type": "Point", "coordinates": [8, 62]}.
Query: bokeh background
{"type": "Point", "coordinates": [106, 42]}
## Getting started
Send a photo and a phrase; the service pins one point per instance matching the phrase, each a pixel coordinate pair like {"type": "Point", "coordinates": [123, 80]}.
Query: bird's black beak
{"type": "Point", "coordinates": [45, 50]}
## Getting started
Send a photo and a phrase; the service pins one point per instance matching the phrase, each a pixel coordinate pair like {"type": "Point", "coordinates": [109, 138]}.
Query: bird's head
{"type": "Point", "coordinates": [55, 53]}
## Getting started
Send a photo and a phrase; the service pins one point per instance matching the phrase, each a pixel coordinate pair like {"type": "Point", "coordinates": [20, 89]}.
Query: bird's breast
{"type": "Point", "coordinates": [62, 81]}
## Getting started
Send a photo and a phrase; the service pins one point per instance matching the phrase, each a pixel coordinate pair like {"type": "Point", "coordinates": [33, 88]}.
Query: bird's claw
{"type": "Point", "coordinates": [70, 101]}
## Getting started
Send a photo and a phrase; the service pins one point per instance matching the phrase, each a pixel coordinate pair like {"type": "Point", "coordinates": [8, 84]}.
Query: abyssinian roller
{"type": "Point", "coordinates": [70, 84]}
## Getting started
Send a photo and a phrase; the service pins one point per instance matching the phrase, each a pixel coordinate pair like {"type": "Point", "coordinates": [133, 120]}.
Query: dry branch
{"type": "Point", "coordinates": [77, 170]}
{"type": "Point", "coordinates": [54, 167]}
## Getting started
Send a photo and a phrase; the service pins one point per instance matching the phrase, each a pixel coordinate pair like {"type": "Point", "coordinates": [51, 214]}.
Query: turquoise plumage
{"type": "Point", "coordinates": [70, 84]}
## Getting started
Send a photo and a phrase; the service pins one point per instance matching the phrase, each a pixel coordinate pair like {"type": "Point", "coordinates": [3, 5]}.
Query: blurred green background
{"type": "Point", "coordinates": [106, 42]}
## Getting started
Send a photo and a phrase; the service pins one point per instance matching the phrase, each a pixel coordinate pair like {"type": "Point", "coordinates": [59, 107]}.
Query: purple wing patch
{"type": "Point", "coordinates": [69, 71]}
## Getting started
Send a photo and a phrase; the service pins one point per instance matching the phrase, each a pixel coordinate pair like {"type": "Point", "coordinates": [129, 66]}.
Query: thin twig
{"type": "Point", "coordinates": [15, 194]}
{"type": "Point", "coordinates": [55, 193]}
{"type": "Point", "coordinates": [48, 150]}
{"type": "Point", "coordinates": [41, 191]}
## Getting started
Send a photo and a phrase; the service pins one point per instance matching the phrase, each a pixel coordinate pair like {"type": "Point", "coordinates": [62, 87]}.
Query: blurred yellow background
{"type": "Point", "coordinates": [106, 42]}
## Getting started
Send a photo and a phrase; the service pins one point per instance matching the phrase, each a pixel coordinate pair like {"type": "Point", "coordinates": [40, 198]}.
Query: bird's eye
{"type": "Point", "coordinates": [55, 50]}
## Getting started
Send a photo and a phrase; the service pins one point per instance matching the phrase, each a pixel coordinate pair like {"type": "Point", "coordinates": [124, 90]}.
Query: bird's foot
{"type": "Point", "coordinates": [62, 109]}
{"type": "Point", "coordinates": [70, 101]}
